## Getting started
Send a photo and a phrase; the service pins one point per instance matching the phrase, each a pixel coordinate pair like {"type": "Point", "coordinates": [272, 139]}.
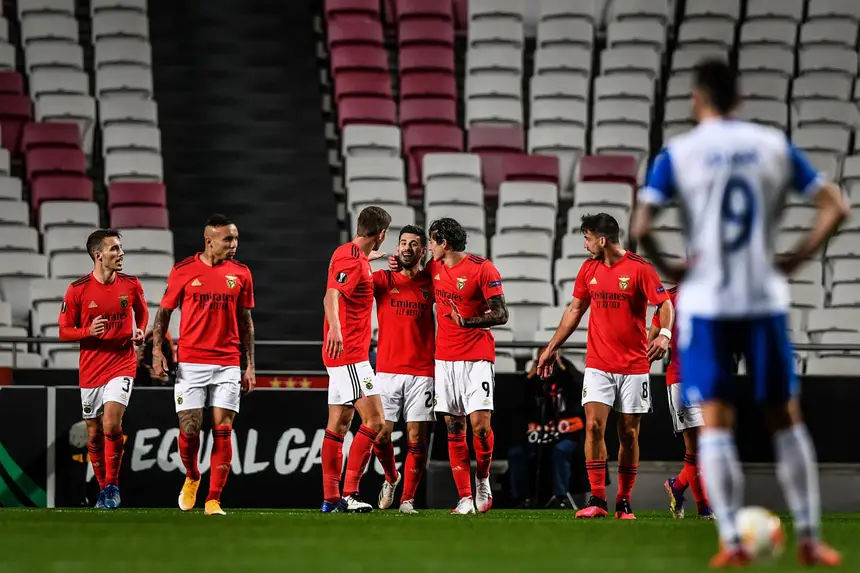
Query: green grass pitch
{"type": "Point", "coordinates": [256, 541]}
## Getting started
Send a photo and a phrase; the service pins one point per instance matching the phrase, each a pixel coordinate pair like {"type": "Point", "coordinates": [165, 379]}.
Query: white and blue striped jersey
{"type": "Point", "coordinates": [730, 179]}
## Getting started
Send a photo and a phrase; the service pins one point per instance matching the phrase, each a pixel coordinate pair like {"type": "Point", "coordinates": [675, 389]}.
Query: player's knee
{"type": "Point", "coordinates": [111, 427]}
{"type": "Point", "coordinates": [95, 432]}
{"type": "Point", "coordinates": [481, 429]}
{"type": "Point", "coordinates": [374, 424]}
{"type": "Point", "coordinates": [384, 436]}
{"type": "Point", "coordinates": [595, 428]}
{"type": "Point", "coordinates": [628, 435]}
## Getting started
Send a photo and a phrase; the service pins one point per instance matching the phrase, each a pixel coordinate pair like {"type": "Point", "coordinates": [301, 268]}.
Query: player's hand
{"type": "Point", "coordinates": [394, 264]}
{"type": "Point", "coordinates": [455, 315]}
{"type": "Point", "coordinates": [249, 381]}
{"type": "Point", "coordinates": [658, 348]}
{"type": "Point", "coordinates": [545, 363]}
{"type": "Point", "coordinates": [788, 263]}
{"type": "Point", "coordinates": [375, 255]}
{"type": "Point", "coordinates": [334, 342]}
{"type": "Point", "coordinates": [98, 326]}
{"type": "Point", "coordinates": [159, 364]}
{"type": "Point", "coordinates": [138, 337]}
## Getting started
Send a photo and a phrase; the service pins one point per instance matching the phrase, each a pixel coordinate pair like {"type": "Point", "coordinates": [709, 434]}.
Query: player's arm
{"type": "Point", "coordinates": [658, 191]}
{"type": "Point", "coordinates": [832, 208]}
{"type": "Point", "coordinates": [343, 277]}
{"type": "Point", "coordinates": [70, 320]}
{"type": "Point", "coordinates": [491, 287]}
{"type": "Point", "coordinates": [246, 334]}
{"type": "Point", "coordinates": [569, 321]}
{"type": "Point", "coordinates": [141, 314]}
{"type": "Point", "coordinates": [169, 302]}
{"type": "Point", "coordinates": [653, 331]}
{"type": "Point", "coordinates": [655, 293]}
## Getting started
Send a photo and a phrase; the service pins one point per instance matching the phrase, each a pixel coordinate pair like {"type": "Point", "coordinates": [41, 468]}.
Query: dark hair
{"type": "Point", "coordinates": [415, 230]}
{"type": "Point", "coordinates": [218, 220]}
{"type": "Point", "coordinates": [95, 241]}
{"type": "Point", "coordinates": [602, 225]}
{"type": "Point", "coordinates": [447, 229]}
{"type": "Point", "coordinates": [718, 81]}
{"type": "Point", "coordinates": [372, 221]}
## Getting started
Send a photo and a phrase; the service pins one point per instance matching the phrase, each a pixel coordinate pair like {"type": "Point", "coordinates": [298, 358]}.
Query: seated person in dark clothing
{"type": "Point", "coordinates": [549, 417]}
{"type": "Point", "coordinates": [145, 374]}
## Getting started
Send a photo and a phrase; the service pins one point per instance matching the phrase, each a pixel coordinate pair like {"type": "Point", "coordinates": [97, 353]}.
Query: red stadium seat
{"type": "Point", "coordinates": [496, 139]}
{"type": "Point", "coordinates": [610, 168]}
{"type": "Point", "coordinates": [428, 111]}
{"type": "Point", "coordinates": [419, 140]}
{"type": "Point", "coordinates": [374, 111]}
{"type": "Point", "coordinates": [50, 134]}
{"type": "Point", "coordinates": [425, 33]}
{"type": "Point", "coordinates": [60, 188]}
{"type": "Point", "coordinates": [139, 218]}
{"type": "Point", "coordinates": [543, 168]}
{"type": "Point", "coordinates": [358, 59]}
{"type": "Point", "coordinates": [439, 9]}
{"type": "Point", "coordinates": [127, 193]}
{"type": "Point", "coordinates": [362, 84]}
{"type": "Point", "coordinates": [354, 31]}
{"type": "Point", "coordinates": [15, 112]}
{"type": "Point", "coordinates": [335, 8]}
{"type": "Point", "coordinates": [493, 170]}
{"type": "Point", "coordinates": [433, 85]}
{"type": "Point", "coordinates": [417, 59]}
{"type": "Point", "coordinates": [11, 83]}
{"type": "Point", "coordinates": [56, 160]}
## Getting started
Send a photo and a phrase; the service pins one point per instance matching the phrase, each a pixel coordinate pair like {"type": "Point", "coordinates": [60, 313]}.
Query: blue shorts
{"type": "Point", "coordinates": [709, 349]}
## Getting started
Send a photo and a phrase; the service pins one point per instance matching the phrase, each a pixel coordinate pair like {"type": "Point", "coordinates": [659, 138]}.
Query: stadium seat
{"type": "Point", "coordinates": [493, 139]}
{"type": "Point", "coordinates": [424, 10]}
{"type": "Point", "coordinates": [131, 138]}
{"type": "Point", "coordinates": [623, 139]}
{"type": "Point", "coordinates": [28, 7]}
{"type": "Point", "coordinates": [811, 86]}
{"type": "Point", "coordinates": [472, 217]}
{"type": "Point", "coordinates": [528, 192]}
{"type": "Point", "coordinates": [421, 139]}
{"type": "Point", "coordinates": [136, 193]}
{"type": "Point", "coordinates": [354, 31]}
{"type": "Point", "coordinates": [531, 269]}
{"type": "Point", "coordinates": [645, 34]}
{"type": "Point", "coordinates": [609, 168]}
{"type": "Point", "coordinates": [125, 24]}
{"type": "Point", "coordinates": [67, 266]}
{"type": "Point", "coordinates": [362, 84]}
{"type": "Point", "coordinates": [496, 9]}
{"type": "Point", "coordinates": [640, 9]}
{"type": "Point", "coordinates": [768, 32]}
{"type": "Point", "coordinates": [374, 169]}
{"type": "Point", "coordinates": [153, 289]}
{"type": "Point", "coordinates": [828, 59]}
{"type": "Point", "coordinates": [495, 60]}
{"type": "Point", "coordinates": [58, 81]}
{"type": "Point", "coordinates": [493, 111]}
{"type": "Point", "coordinates": [829, 32]}
{"type": "Point", "coordinates": [426, 59]}
{"type": "Point", "coordinates": [10, 189]}
{"type": "Point", "coordinates": [358, 59]}
{"type": "Point", "coordinates": [5, 162]}
{"type": "Point", "coordinates": [833, 9]}
{"type": "Point", "coordinates": [560, 86]}
{"type": "Point", "coordinates": [19, 238]}
{"type": "Point", "coordinates": [118, 5]}
{"type": "Point", "coordinates": [558, 112]}
{"type": "Point", "coordinates": [7, 55]}
{"type": "Point", "coordinates": [58, 161]}
{"type": "Point", "coordinates": [139, 217]}
{"type": "Point", "coordinates": [50, 134]}
{"type": "Point", "coordinates": [630, 60]}
{"type": "Point", "coordinates": [604, 193]}
{"type": "Point", "coordinates": [451, 165]}
{"type": "Point", "coordinates": [832, 365]}
{"type": "Point", "coordinates": [543, 168]}
{"type": "Point", "coordinates": [521, 244]}
{"type": "Point", "coordinates": [703, 9]}
{"type": "Point", "coordinates": [428, 85]}
{"type": "Point", "coordinates": [529, 218]}
{"type": "Point", "coordinates": [619, 213]}
{"type": "Point", "coordinates": [764, 86]}
{"type": "Point", "coordinates": [150, 265]}
{"type": "Point", "coordinates": [15, 112]}
{"type": "Point", "coordinates": [428, 111]}
{"type": "Point", "coordinates": [372, 111]}
{"type": "Point", "coordinates": [133, 166]}
{"type": "Point", "coordinates": [49, 27]}
{"type": "Point", "coordinates": [772, 113]}
{"type": "Point", "coordinates": [525, 300]}
{"type": "Point", "coordinates": [11, 83]}
{"type": "Point", "coordinates": [14, 213]}
{"type": "Point", "coordinates": [494, 86]}
{"type": "Point", "coordinates": [75, 108]}
{"type": "Point", "coordinates": [334, 8]}
{"type": "Point", "coordinates": [68, 213]}
{"type": "Point", "coordinates": [51, 187]}
{"type": "Point", "coordinates": [563, 61]}
{"type": "Point", "coordinates": [127, 110]}
{"type": "Point", "coordinates": [425, 32]}
{"type": "Point", "coordinates": [565, 32]}
{"type": "Point", "coordinates": [370, 140]}
{"type": "Point", "coordinates": [707, 33]}
{"type": "Point", "coordinates": [123, 52]}
{"type": "Point", "coordinates": [567, 9]}
{"type": "Point", "coordinates": [453, 191]}
{"type": "Point", "coordinates": [771, 59]}
{"type": "Point", "coordinates": [66, 240]}
{"type": "Point", "coordinates": [361, 194]}
{"type": "Point", "coordinates": [53, 55]}
{"type": "Point", "coordinates": [791, 10]}
{"type": "Point", "coordinates": [124, 80]}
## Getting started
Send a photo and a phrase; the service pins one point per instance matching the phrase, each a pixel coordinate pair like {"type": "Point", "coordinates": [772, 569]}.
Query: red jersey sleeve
{"type": "Point", "coordinates": [655, 320]}
{"type": "Point", "coordinates": [175, 288]}
{"type": "Point", "coordinates": [580, 286]}
{"type": "Point", "coordinates": [141, 312]}
{"type": "Point", "coordinates": [344, 274]}
{"type": "Point", "coordinates": [246, 297]}
{"type": "Point", "coordinates": [491, 281]}
{"type": "Point", "coordinates": [651, 286]}
{"type": "Point", "coordinates": [70, 316]}
{"type": "Point", "coordinates": [380, 281]}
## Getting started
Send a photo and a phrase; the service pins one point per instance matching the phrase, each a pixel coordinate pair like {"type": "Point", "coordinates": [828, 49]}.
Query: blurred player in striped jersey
{"type": "Point", "coordinates": [731, 178]}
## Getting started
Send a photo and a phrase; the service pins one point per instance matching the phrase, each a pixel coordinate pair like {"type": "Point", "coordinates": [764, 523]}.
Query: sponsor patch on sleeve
{"type": "Point", "coordinates": [63, 308]}
{"type": "Point", "coordinates": [495, 284]}
{"type": "Point", "coordinates": [341, 278]}
{"type": "Point", "coordinates": [661, 289]}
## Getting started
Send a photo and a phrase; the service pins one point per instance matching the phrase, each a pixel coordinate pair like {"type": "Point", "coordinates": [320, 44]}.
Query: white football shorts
{"type": "Point", "coordinates": [412, 395]}
{"type": "Point", "coordinates": [346, 384]}
{"type": "Point", "coordinates": [685, 415]}
{"type": "Point", "coordinates": [116, 390]}
{"type": "Point", "coordinates": [202, 385]}
{"type": "Point", "coordinates": [463, 387]}
{"type": "Point", "coordinates": [626, 393]}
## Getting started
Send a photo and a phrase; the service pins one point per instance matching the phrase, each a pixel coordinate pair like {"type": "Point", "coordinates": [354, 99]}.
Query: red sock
{"type": "Point", "coordinates": [412, 470]}
{"type": "Point", "coordinates": [682, 482]}
{"type": "Point", "coordinates": [359, 455]}
{"type": "Point", "coordinates": [332, 465]}
{"type": "Point", "coordinates": [458, 455]}
{"type": "Point", "coordinates": [113, 457]}
{"type": "Point", "coordinates": [220, 460]}
{"type": "Point", "coordinates": [96, 450]}
{"type": "Point", "coordinates": [626, 481]}
{"type": "Point", "coordinates": [385, 454]}
{"type": "Point", "coordinates": [483, 454]}
{"type": "Point", "coordinates": [697, 484]}
{"type": "Point", "coordinates": [597, 477]}
{"type": "Point", "coordinates": [189, 446]}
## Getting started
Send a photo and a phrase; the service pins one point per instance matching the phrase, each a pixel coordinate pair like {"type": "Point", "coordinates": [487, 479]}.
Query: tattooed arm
{"type": "Point", "coordinates": [496, 316]}
{"type": "Point", "coordinates": [159, 328]}
{"type": "Point", "coordinates": [246, 335]}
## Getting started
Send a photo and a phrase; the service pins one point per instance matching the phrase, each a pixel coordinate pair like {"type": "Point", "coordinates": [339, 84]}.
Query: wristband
{"type": "Point", "coordinates": [666, 332]}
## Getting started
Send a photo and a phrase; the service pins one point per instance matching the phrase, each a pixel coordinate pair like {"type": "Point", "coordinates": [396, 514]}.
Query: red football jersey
{"type": "Point", "coordinates": [111, 354]}
{"type": "Point", "coordinates": [673, 371]}
{"type": "Point", "coordinates": [468, 284]}
{"type": "Point", "coordinates": [349, 272]}
{"type": "Point", "coordinates": [404, 307]}
{"type": "Point", "coordinates": [210, 299]}
{"type": "Point", "coordinates": [618, 297]}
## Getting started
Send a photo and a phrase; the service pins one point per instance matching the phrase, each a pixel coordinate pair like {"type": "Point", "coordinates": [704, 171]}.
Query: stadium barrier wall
{"type": "Point", "coordinates": [278, 437]}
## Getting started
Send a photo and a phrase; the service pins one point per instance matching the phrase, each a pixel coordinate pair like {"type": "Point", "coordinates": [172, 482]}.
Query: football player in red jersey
{"type": "Point", "coordinates": [215, 294]}
{"type": "Point", "coordinates": [404, 363]}
{"type": "Point", "coordinates": [686, 419]}
{"type": "Point", "coordinates": [348, 305]}
{"type": "Point", "coordinates": [97, 311]}
{"type": "Point", "coordinates": [618, 286]}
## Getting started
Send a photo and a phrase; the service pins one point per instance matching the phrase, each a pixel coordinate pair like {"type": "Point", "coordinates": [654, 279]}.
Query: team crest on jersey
{"type": "Point", "coordinates": [231, 281]}
{"type": "Point", "coordinates": [87, 407]}
{"type": "Point", "coordinates": [179, 399]}
{"type": "Point", "coordinates": [623, 282]}
{"type": "Point", "coordinates": [368, 384]}
{"type": "Point", "coordinates": [461, 283]}
{"type": "Point", "coordinates": [425, 293]}
{"type": "Point", "coordinates": [123, 301]}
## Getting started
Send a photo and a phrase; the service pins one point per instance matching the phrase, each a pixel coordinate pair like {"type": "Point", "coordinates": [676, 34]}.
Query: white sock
{"type": "Point", "coordinates": [724, 480]}
{"type": "Point", "coordinates": [797, 470]}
